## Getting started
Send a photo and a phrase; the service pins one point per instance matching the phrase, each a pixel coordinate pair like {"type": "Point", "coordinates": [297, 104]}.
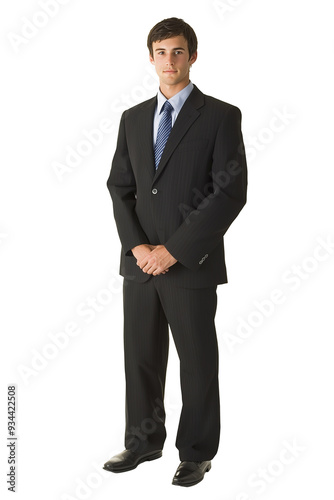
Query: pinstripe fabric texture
{"type": "Point", "coordinates": [186, 204]}
{"type": "Point", "coordinates": [191, 199]}
{"type": "Point", "coordinates": [165, 127]}
{"type": "Point", "coordinates": [148, 310]}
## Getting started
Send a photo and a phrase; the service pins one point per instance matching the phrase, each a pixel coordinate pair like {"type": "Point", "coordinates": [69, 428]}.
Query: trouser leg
{"type": "Point", "coordinates": [190, 314]}
{"type": "Point", "coordinates": [146, 345]}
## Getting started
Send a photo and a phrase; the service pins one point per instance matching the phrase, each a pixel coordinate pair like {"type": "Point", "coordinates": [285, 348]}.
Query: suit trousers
{"type": "Point", "coordinates": [149, 308]}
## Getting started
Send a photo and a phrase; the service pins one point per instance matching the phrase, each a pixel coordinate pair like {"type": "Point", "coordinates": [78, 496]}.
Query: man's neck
{"type": "Point", "coordinates": [171, 90]}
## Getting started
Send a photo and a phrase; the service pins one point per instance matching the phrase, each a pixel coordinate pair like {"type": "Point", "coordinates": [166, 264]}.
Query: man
{"type": "Point", "coordinates": [178, 180]}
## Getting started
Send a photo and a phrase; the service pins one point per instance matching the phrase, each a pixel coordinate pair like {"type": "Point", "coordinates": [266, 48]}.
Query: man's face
{"type": "Point", "coordinates": [171, 60]}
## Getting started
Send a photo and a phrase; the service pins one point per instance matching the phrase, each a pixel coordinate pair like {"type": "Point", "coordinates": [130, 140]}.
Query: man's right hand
{"type": "Point", "coordinates": [140, 251]}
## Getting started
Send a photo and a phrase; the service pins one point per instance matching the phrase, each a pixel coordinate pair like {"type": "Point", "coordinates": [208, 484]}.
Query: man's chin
{"type": "Point", "coordinates": [171, 80]}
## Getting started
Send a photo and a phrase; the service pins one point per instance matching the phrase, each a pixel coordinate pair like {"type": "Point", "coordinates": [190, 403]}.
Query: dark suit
{"type": "Point", "coordinates": [187, 204]}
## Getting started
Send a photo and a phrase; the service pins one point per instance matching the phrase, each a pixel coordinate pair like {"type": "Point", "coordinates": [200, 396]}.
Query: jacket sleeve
{"type": "Point", "coordinates": [122, 188]}
{"type": "Point", "coordinates": [204, 226]}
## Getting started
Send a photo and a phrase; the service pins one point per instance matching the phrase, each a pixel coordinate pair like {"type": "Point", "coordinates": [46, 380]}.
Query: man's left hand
{"type": "Point", "coordinates": [157, 261]}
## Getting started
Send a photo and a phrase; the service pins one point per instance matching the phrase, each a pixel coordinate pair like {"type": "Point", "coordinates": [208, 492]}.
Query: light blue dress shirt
{"type": "Point", "coordinates": [176, 101]}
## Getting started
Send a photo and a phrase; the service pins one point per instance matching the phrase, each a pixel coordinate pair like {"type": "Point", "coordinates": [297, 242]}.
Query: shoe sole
{"type": "Point", "coordinates": [154, 456]}
{"type": "Point", "coordinates": [194, 482]}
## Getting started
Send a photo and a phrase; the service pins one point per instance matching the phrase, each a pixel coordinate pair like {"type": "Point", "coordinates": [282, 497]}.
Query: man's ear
{"type": "Point", "coordinates": [151, 60]}
{"type": "Point", "coordinates": [193, 57]}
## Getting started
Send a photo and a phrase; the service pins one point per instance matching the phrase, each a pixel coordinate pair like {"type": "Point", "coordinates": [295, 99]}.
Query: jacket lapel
{"type": "Point", "coordinates": [188, 114]}
{"type": "Point", "coordinates": [145, 133]}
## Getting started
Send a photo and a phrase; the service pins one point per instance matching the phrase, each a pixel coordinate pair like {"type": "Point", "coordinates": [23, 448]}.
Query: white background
{"type": "Point", "coordinates": [59, 248]}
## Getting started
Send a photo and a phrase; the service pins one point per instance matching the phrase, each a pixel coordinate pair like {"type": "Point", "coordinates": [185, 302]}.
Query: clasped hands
{"type": "Point", "coordinates": [153, 259]}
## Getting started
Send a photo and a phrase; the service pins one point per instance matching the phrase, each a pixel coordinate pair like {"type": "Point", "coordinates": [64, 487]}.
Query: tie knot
{"type": "Point", "coordinates": [167, 107]}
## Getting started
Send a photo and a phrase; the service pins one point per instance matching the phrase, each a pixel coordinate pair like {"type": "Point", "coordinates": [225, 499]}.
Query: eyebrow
{"type": "Point", "coordinates": [176, 48]}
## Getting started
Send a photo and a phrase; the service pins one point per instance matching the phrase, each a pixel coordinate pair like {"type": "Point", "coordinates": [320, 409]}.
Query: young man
{"type": "Point", "coordinates": [178, 180]}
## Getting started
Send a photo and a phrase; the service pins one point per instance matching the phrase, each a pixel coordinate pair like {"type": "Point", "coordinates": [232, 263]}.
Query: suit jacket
{"type": "Point", "coordinates": [189, 202]}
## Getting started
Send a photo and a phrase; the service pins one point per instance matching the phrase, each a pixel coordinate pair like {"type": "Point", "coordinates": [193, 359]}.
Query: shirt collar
{"type": "Point", "coordinates": [177, 100]}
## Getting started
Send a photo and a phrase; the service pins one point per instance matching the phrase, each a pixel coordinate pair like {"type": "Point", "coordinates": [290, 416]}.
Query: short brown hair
{"type": "Point", "coordinates": [168, 28]}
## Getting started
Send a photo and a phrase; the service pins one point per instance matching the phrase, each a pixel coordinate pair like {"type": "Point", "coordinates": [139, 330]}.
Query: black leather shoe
{"type": "Point", "coordinates": [190, 473]}
{"type": "Point", "coordinates": [128, 460]}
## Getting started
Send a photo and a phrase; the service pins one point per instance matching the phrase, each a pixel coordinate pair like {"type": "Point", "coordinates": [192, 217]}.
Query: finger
{"type": "Point", "coordinates": [150, 269]}
{"type": "Point", "coordinates": [161, 272]}
{"type": "Point", "coordinates": [144, 262]}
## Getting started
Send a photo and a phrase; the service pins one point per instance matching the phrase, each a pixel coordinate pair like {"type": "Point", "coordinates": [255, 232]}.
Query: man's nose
{"type": "Point", "coordinates": [170, 59]}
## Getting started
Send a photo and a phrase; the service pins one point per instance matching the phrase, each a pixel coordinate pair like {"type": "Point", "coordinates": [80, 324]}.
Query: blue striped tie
{"type": "Point", "coordinates": [165, 126]}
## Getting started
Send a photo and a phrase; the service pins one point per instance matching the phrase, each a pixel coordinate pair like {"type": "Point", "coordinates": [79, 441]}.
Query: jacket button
{"type": "Point", "coordinates": [154, 191]}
